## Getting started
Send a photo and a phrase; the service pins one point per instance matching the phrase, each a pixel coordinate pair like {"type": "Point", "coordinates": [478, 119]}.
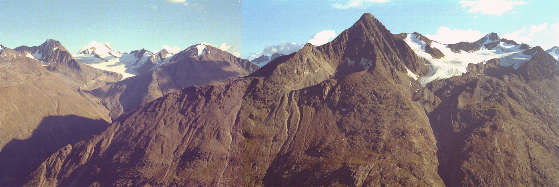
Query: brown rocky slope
{"type": "Point", "coordinates": [342, 114]}
{"type": "Point", "coordinates": [40, 112]}
{"type": "Point", "coordinates": [497, 126]}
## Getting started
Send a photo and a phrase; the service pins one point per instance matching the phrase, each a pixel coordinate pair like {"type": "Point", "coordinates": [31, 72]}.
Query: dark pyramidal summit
{"type": "Point", "coordinates": [57, 59]}
{"type": "Point", "coordinates": [342, 114]}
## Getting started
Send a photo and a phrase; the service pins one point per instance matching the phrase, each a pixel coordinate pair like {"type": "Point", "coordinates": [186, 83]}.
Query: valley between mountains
{"type": "Point", "coordinates": [369, 108]}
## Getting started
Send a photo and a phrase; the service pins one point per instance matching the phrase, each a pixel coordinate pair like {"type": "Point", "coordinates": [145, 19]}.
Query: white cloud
{"type": "Point", "coordinates": [322, 37]}
{"type": "Point", "coordinates": [545, 35]}
{"type": "Point", "coordinates": [356, 3]}
{"type": "Point", "coordinates": [283, 48]}
{"type": "Point", "coordinates": [174, 49]}
{"type": "Point", "coordinates": [451, 36]}
{"type": "Point", "coordinates": [229, 48]}
{"type": "Point", "coordinates": [319, 38]}
{"type": "Point", "coordinates": [184, 2]}
{"type": "Point", "coordinates": [490, 7]}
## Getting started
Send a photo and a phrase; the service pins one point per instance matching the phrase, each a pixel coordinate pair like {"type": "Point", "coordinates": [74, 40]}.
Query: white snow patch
{"type": "Point", "coordinates": [554, 52]}
{"type": "Point", "coordinates": [555, 55]}
{"type": "Point", "coordinates": [28, 55]}
{"type": "Point", "coordinates": [102, 50]}
{"type": "Point", "coordinates": [125, 64]}
{"type": "Point", "coordinates": [412, 75]}
{"type": "Point", "coordinates": [201, 49]}
{"type": "Point", "coordinates": [455, 64]}
{"type": "Point", "coordinates": [113, 65]}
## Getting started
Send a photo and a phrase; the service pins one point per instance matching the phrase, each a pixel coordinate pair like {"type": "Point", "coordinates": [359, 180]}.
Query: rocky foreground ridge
{"type": "Point", "coordinates": [347, 113]}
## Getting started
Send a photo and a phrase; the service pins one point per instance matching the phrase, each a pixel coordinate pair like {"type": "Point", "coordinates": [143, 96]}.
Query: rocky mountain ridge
{"type": "Point", "coordinates": [353, 112]}
{"type": "Point", "coordinates": [129, 64]}
{"type": "Point", "coordinates": [195, 65]}
{"type": "Point", "coordinates": [272, 128]}
{"type": "Point", "coordinates": [53, 56]}
{"type": "Point", "coordinates": [41, 112]}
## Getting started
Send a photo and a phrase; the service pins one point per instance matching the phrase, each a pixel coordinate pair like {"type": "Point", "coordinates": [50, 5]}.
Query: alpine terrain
{"type": "Point", "coordinates": [57, 59]}
{"type": "Point", "coordinates": [42, 110]}
{"type": "Point", "coordinates": [197, 65]}
{"type": "Point", "coordinates": [368, 108]}
{"type": "Point", "coordinates": [102, 56]}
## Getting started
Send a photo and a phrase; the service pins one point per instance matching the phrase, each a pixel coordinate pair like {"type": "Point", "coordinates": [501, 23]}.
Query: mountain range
{"type": "Point", "coordinates": [102, 56]}
{"type": "Point", "coordinates": [369, 108]}
{"type": "Point", "coordinates": [197, 65]}
{"type": "Point", "coordinates": [42, 110]}
{"type": "Point", "coordinates": [52, 99]}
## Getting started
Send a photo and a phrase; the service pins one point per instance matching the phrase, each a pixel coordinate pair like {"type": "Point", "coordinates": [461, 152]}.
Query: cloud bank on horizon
{"type": "Point", "coordinates": [286, 48]}
{"type": "Point", "coordinates": [449, 36]}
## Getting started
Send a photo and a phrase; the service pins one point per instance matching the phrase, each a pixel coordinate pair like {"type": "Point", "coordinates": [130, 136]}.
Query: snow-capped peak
{"type": "Point", "coordinates": [102, 50]}
{"type": "Point", "coordinates": [201, 48]}
{"type": "Point", "coordinates": [489, 38]}
{"type": "Point", "coordinates": [554, 51]}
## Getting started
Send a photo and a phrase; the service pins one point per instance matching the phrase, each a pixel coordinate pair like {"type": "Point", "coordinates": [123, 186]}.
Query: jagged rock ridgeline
{"type": "Point", "coordinates": [449, 60]}
{"type": "Point", "coordinates": [57, 59]}
{"type": "Point", "coordinates": [136, 62]}
{"type": "Point", "coordinates": [347, 113]}
{"type": "Point", "coordinates": [245, 131]}
{"type": "Point", "coordinates": [197, 65]}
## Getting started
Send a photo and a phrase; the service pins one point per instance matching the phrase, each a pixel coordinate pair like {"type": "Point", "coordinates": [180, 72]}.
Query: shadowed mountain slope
{"type": "Point", "coordinates": [29, 95]}
{"type": "Point", "coordinates": [347, 113]}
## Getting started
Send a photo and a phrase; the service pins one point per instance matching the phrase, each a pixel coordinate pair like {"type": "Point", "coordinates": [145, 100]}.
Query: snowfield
{"type": "Point", "coordinates": [455, 64]}
{"type": "Point", "coordinates": [102, 56]}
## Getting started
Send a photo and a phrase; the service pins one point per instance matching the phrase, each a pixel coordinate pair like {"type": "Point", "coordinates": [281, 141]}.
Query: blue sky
{"type": "Point", "coordinates": [251, 25]}
{"type": "Point", "coordinates": [125, 24]}
{"type": "Point", "coordinates": [275, 21]}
